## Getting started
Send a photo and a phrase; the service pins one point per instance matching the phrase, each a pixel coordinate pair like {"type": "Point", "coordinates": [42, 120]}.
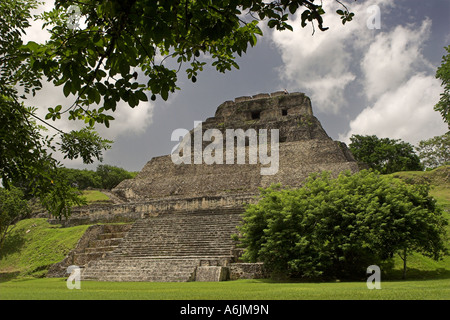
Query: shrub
{"type": "Point", "coordinates": [336, 228]}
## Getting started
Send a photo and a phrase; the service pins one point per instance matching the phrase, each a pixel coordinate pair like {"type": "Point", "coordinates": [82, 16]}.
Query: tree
{"type": "Point", "coordinates": [25, 153]}
{"type": "Point", "coordinates": [443, 73]}
{"type": "Point", "coordinates": [121, 52]}
{"type": "Point", "coordinates": [123, 49]}
{"type": "Point", "coordinates": [336, 228]}
{"type": "Point", "coordinates": [383, 154]}
{"type": "Point", "coordinates": [12, 208]}
{"type": "Point", "coordinates": [111, 176]}
{"type": "Point", "coordinates": [435, 152]}
{"type": "Point", "coordinates": [82, 179]}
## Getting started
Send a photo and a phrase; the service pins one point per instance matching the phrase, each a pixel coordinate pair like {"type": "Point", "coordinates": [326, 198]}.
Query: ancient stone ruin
{"type": "Point", "coordinates": [184, 214]}
{"type": "Point", "coordinates": [304, 147]}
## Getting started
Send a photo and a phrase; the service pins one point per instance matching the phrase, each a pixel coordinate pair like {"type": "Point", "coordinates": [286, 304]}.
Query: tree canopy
{"type": "Point", "coordinates": [384, 154]}
{"type": "Point", "coordinates": [435, 152]}
{"type": "Point", "coordinates": [105, 51]}
{"type": "Point", "coordinates": [12, 208]}
{"type": "Point", "coordinates": [336, 228]}
{"type": "Point", "coordinates": [443, 74]}
{"type": "Point", "coordinates": [25, 150]}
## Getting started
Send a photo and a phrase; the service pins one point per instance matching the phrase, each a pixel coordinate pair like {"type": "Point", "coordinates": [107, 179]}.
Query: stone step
{"type": "Point", "coordinates": [168, 237]}
{"type": "Point", "coordinates": [111, 235]}
{"type": "Point", "coordinates": [104, 242]}
{"type": "Point", "coordinates": [101, 249]}
{"type": "Point", "coordinates": [81, 259]}
{"type": "Point", "coordinates": [175, 253]}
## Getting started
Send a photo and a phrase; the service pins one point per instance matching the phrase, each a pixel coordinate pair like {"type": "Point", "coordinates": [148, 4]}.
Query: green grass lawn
{"type": "Point", "coordinates": [56, 289]}
{"type": "Point", "coordinates": [34, 245]}
{"type": "Point", "coordinates": [95, 196]}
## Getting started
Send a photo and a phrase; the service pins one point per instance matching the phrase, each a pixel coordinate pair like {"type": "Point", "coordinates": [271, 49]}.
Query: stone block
{"type": "Point", "coordinates": [247, 271]}
{"type": "Point", "coordinates": [211, 273]}
{"type": "Point", "coordinates": [261, 96]}
{"type": "Point", "coordinates": [241, 99]}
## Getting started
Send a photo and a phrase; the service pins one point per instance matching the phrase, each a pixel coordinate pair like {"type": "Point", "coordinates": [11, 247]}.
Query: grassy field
{"type": "Point", "coordinates": [95, 196]}
{"type": "Point", "coordinates": [56, 289]}
{"type": "Point", "coordinates": [34, 245]}
{"type": "Point", "coordinates": [438, 179]}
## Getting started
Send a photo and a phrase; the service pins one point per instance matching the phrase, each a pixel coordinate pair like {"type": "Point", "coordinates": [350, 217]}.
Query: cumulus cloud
{"type": "Point", "coordinates": [405, 113]}
{"type": "Point", "coordinates": [392, 57]}
{"type": "Point", "coordinates": [323, 64]}
{"type": "Point", "coordinates": [127, 120]}
{"type": "Point", "coordinates": [400, 87]}
{"type": "Point", "coordinates": [386, 65]}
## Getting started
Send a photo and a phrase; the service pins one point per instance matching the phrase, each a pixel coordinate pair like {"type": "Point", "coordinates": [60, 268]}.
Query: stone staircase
{"type": "Point", "coordinates": [96, 242]}
{"type": "Point", "coordinates": [105, 242]}
{"type": "Point", "coordinates": [170, 247]}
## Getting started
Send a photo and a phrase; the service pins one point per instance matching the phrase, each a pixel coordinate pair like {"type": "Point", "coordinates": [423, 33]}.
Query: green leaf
{"type": "Point", "coordinates": [272, 23]}
{"type": "Point", "coordinates": [141, 96]}
{"type": "Point", "coordinates": [293, 8]}
{"type": "Point", "coordinates": [67, 88]}
{"type": "Point", "coordinates": [124, 68]}
{"type": "Point", "coordinates": [165, 94]}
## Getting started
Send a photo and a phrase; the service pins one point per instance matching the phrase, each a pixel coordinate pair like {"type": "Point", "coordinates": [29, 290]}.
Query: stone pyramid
{"type": "Point", "coordinates": [185, 213]}
{"type": "Point", "coordinates": [304, 147]}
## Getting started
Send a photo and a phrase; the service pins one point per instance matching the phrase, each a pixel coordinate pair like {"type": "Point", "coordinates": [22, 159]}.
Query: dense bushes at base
{"type": "Point", "coordinates": [336, 228]}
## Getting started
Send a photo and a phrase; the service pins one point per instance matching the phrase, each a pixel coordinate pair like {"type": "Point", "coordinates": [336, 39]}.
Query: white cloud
{"type": "Point", "coordinates": [35, 32]}
{"type": "Point", "coordinates": [323, 64]}
{"type": "Point", "coordinates": [405, 113]}
{"type": "Point", "coordinates": [396, 81]}
{"type": "Point", "coordinates": [127, 120]}
{"type": "Point", "coordinates": [393, 57]}
{"type": "Point", "coordinates": [400, 88]}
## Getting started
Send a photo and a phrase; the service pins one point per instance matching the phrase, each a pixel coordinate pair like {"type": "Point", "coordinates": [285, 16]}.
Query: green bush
{"type": "Point", "coordinates": [82, 179]}
{"type": "Point", "coordinates": [105, 177]}
{"type": "Point", "coordinates": [111, 176]}
{"type": "Point", "coordinates": [13, 207]}
{"type": "Point", "coordinates": [383, 154]}
{"type": "Point", "coordinates": [336, 228]}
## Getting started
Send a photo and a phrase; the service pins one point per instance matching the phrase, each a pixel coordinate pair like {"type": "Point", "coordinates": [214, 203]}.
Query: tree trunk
{"type": "Point", "coordinates": [404, 264]}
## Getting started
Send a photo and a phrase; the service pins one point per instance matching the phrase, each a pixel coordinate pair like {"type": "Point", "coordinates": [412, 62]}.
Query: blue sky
{"type": "Point", "coordinates": [360, 80]}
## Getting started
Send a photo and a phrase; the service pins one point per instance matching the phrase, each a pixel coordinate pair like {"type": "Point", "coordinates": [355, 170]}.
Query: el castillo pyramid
{"type": "Point", "coordinates": [183, 214]}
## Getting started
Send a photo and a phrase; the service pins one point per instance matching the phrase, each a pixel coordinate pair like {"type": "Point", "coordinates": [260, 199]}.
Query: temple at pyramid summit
{"type": "Point", "coordinates": [182, 209]}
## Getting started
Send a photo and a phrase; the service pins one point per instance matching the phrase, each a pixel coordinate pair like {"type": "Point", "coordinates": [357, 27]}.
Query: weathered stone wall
{"type": "Point", "coordinates": [270, 106]}
{"type": "Point", "coordinates": [247, 271]}
{"type": "Point", "coordinates": [211, 273]}
{"type": "Point", "coordinates": [130, 212]}
{"type": "Point", "coordinates": [161, 178]}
